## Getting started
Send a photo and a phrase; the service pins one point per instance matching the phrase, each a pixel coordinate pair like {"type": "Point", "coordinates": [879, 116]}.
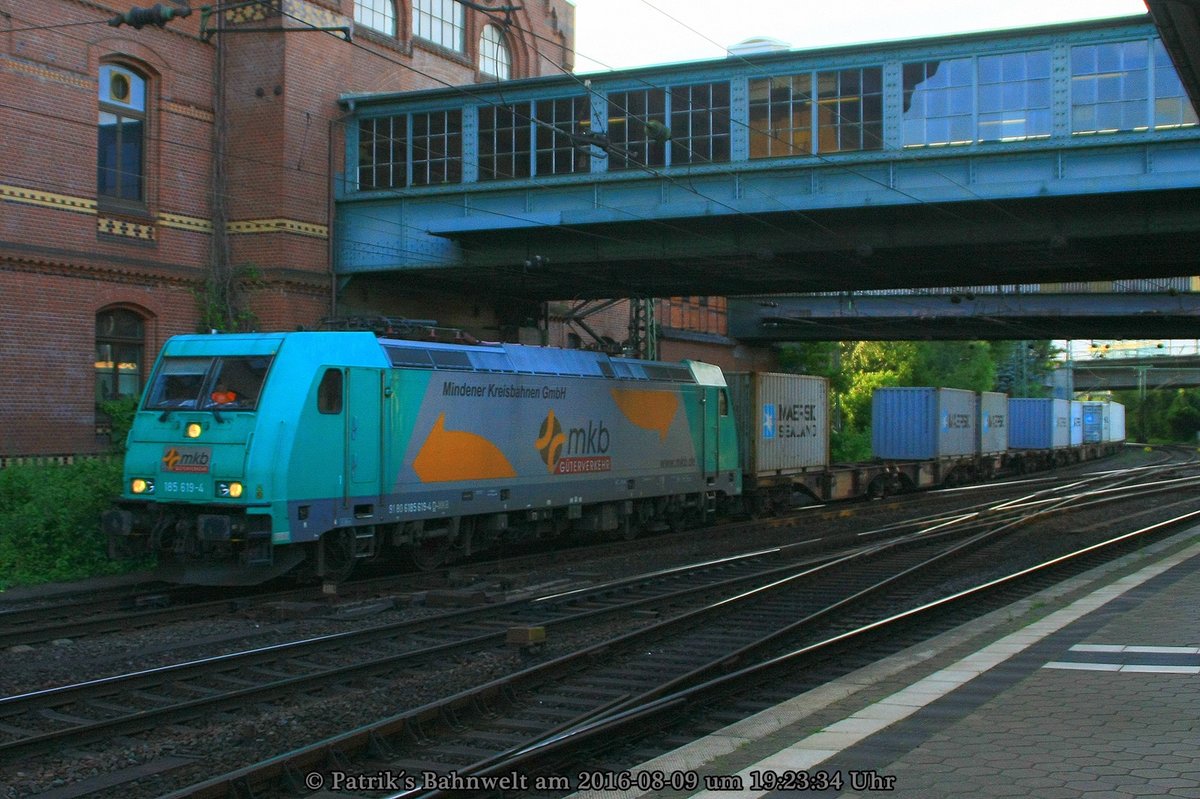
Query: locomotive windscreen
{"type": "Point", "coordinates": [227, 383]}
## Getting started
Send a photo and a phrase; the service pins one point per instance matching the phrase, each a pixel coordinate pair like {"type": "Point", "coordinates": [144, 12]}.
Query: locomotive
{"type": "Point", "coordinates": [256, 455]}
{"type": "Point", "coordinates": [252, 455]}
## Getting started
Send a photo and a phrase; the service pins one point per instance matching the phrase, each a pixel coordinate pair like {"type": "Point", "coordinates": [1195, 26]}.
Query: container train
{"type": "Point", "coordinates": [255, 455]}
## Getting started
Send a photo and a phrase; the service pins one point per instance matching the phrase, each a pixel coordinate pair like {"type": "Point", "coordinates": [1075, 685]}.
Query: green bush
{"type": "Point", "coordinates": [120, 414]}
{"type": "Point", "coordinates": [50, 521]}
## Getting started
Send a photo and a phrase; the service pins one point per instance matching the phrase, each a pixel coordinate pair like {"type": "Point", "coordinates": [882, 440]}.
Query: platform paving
{"type": "Point", "coordinates": [1090, 689]}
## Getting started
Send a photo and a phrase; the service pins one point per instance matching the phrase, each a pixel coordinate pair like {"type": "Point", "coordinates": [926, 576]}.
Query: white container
{"type": "Point", "coordinates": [924, 423]}
{"type": "Point", "coordinates": [1076, 423]}
{"type": "Point", "coordinates": [1115, 429]}
{"type": "Point", "coordinates": [993, 423]}
{"type": "Point", "coordinates": [782, 422]}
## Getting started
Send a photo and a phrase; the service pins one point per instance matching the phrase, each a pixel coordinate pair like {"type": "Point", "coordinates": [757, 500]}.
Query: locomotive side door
{"type": "Point", "coordinates": [715, 411]}
{"type": "Point", "coordinates": [364, 431]}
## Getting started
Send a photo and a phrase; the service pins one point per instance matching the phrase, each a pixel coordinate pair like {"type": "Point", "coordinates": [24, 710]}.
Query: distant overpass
{"type": "Point", "coordinates": [1153, 372]}
{"type": "Point", "coordinates": [964, 314]}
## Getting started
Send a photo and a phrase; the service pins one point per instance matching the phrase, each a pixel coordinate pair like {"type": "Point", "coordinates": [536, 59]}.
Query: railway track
{"type": "Point", "coordinates": [478, 732]}
{"type": "Point", "coordinates": [85, 712]}
{"type": "Point", "coordinates": [151, 604]}
{"type": "Point", "coordinates": [73, 716]}
{"type": "Point", "coordinates": [78, 714]}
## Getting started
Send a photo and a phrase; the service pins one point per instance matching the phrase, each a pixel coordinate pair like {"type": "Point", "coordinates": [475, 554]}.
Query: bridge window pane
{"type": "Point", "coordinates": [938, 102]}
{"type": "Point", "coordinates": [504, 141]}
{"type": "Point", "coordinates": [382, 156]}
{"type": "Point", "coordinates": [440, 22]}
{"type": "Point", "coordinates": [637, 124]}
{"type": "Point", "coordinates": [1172, 108]}
{"type": "Point", "coordinates": [557, 152]}
{"type": "Point", "coordinates": [1014, 96]}
{"type": "Point", "coordinates": [781, 116]}
{"type": "Point", "coordinates": [700, 123]}
{"type": "Point", "coordinates": [1109, 87]}
{"type": "Point", "coordinates": [378, 15]}
{"type": "Point", "coordinates": [850, 110]}
{"type": "Point", "coordinates": [436, 147]}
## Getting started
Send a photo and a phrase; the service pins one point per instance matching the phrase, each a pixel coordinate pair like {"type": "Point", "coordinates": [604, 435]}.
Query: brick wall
{"type": "Point", "coordinates": [64, 257]}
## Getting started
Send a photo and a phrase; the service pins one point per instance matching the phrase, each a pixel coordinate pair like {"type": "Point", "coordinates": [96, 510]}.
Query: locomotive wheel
{"type": "Point", "coordinates": [337, 555]}
{"type": "Point", "coordinates": [429, 554]}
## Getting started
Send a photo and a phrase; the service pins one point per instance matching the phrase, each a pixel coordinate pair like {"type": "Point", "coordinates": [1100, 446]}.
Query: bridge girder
{"type": "Point", "coordinates": [964, 316]}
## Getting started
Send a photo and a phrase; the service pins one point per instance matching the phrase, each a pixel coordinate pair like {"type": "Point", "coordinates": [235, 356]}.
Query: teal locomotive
{"type": "Point", "coordinates": [253, 455]}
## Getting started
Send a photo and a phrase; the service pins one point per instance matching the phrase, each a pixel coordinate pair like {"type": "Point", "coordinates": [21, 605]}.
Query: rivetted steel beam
{"type": "Point", "coordinates": [853, 316]}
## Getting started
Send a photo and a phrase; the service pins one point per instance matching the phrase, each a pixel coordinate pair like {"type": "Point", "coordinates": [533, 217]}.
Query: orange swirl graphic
{"type": "Point", "coordinates": [450, 455]}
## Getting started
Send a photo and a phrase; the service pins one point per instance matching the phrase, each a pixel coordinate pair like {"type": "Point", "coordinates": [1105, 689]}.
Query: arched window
{"type": "Point", "coordinates": [378, 15]}
{"type": "Point", "coordinates": [121, 152]}
{"type": "Point", "coordinates": [120, 350]}
{"type": "Point", "coordinates": [441, 22]}
{"type": "Point", "coordinates": [494, 58]}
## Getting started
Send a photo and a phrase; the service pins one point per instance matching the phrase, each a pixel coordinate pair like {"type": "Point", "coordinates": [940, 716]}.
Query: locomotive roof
{"type": "Point", "coordinates": [519, 359]}
{"type": "Point", "coordinates": [488, 357]}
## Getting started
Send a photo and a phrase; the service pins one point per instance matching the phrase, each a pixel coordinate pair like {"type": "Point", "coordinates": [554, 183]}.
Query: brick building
{"type": "Point", "coordinates": [161, 180]}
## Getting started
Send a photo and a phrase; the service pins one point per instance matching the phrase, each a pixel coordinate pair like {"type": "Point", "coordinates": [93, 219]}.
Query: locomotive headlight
{"type": "Point", "coordinates": [229, 489]}
{"type": "Point", "coordinates": [193, 430]}
{"type": "Point", "coordinates": [141, 486]}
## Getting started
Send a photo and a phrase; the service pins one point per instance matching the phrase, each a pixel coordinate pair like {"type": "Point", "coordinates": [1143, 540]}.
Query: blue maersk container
{"type": "Point", "coordinates": [1039, 423]}
{"type": "Point", "coordinates": [924, 423]}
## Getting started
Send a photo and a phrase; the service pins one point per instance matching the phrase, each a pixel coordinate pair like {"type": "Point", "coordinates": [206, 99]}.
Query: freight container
{"type": "Point", "coordinates": [1115, 428]}
{"type": "Point", "coordinates": [924, 423]}
{"type": "Point", "coordinates": [993, 423]}
{"type": "Point", "coordinates": [782, 422]}
{"type": "Point", "coordinates": [1095, 422]}
{"type": "Point", "coordinates": [1039, 423]}
{"type": "Point", "coordinates": [1076, 423]}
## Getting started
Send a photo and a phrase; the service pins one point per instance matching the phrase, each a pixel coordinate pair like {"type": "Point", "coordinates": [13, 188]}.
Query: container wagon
{"type": "Point", "coordinates": [1045, 433]}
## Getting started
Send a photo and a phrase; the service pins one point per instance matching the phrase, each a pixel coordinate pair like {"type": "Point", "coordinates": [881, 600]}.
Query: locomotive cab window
{"type": "Point", "coordinates": [177, 383]}
{"type": "Point", "coordinates": [723, 402]}
{"type": "Point", "coordinates": [329, 393]}
{"type": "Point", "coordinates": [229, 383]}
{"type": "Point", "coordinates": [236, 383]}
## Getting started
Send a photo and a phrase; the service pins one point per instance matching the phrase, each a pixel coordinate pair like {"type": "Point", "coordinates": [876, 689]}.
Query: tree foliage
{"type": "Point", "coordinates": [857, 368]}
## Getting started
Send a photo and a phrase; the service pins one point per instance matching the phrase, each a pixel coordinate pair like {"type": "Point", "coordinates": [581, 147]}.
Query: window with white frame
{"type": "Point", "coordinates": [436, 147]}
{"type": "Point", "coordinates": [378, 15]}
{"type": "Point", "coordinates": [121, 147]}
{"type": "Point", "coordinates": [494, 58]}
{"type": "Point", "coordinates": [441, 22]}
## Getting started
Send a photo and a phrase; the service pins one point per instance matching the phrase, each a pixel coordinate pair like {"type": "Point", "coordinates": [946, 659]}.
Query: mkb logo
{"type": "Point", "coordinates": [186, 459]}
{"type": "Point", "coordinates": [550, 441]}
{"type": "Point", "coordinates": [578, 450]}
